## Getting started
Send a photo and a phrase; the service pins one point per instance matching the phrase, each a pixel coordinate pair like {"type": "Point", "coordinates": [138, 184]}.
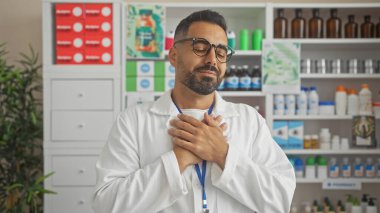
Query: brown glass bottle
{"type": "Point", "coordinates": [316, 25]}
{"type": "Point", "coordinates": [334, 25]}
{"type": "Point", "coordinates": [367, 29]}
{"type": "Point", "coordinates": [298, 25]}
{"type": "Point", "coordinates": [351, 28]}
{"type": "Point", "coordinates": [280, 25]}
{"type": "Point", "coordinates": [378, 30]}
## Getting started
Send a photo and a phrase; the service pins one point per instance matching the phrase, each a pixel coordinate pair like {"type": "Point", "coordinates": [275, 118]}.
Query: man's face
{"type": "Point", "coordinates": [201, 74]}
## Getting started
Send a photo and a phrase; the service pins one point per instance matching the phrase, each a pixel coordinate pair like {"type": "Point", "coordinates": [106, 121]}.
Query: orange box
{"type": "Point", "coordinates": [98, 27]}
{"type": "Point", "coordinates": [69, 11]}
{"type": "Point", "coordinates": [70, 27]}
{"type": "Point", "coordinates": [103, 11]}
{"type": "Point", "coordinates": [95, 56]}
{"type": "Point", "coordinates": [67, 56]}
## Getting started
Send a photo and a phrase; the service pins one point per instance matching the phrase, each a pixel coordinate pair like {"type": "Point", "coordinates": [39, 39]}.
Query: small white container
{"type": "Point", "coordinates": [344, 144]}
{"type": "Point", "coordinates": [376, 109]}
{"type": "Point", "coordinates": [326, 108]}
{"type": "Point", "coordinates": [340, 100]}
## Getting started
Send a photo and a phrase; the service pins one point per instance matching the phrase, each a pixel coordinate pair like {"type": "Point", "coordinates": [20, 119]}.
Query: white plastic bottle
{"type": "Point", "coordinates": [313, 101]}
{"type": "Point", "coordinates": [346, 168]}
{"type": "Point", "coordinates": [365, 101]}
{"type": "Point", "coordinates": [352, 102]}
{"type": "Point", "coordinates": [302, 102]}
{"type": "Point", "coordinates": [369, 168]}
{"type": "Point", "coordinates": [279, 104]}
{"type": "Point", "coordinates": [358, 168]}
{"type": "Point", "coordinates": [325, 138]}
{"type": "Point", "coordinates": [340, 100]}
{"type": "Point", "coordinates": [333, 168]}
{"type": "Point", "coordinates": [290, 104]}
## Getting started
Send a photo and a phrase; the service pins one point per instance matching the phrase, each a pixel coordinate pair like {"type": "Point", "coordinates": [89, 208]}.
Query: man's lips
{"type": "Point", "coordinates": [207, 72]}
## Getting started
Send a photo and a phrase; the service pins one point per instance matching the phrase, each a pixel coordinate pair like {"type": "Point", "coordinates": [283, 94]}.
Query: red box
{"type": "Point", "coordinates": [70, 41]}
{"type": "Point", "coordinates": [98, 26]}
{"type": "Point", "coordinates": [100, 42]}
{"type": "Point", "coordinates": [70, 27]}
{"type": "Point", "coordinates": [103, 11]}
{"type": "Point", "coordinates": [67, 56]}
{"type": "Point", "coordinates": [96, 56]}
{"type": "Point", "coordinates": [69, 11]}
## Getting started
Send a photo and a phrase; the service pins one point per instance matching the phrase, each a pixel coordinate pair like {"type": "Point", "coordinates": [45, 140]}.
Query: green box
{"type": "Point", "coordinates": [159, 84]}
{"type": "Point", "coordinates": [159, 68]}
{"type": "Point", "coordinates": [130, 84]}
{"type": "Point", "coordinates": [131, 68]}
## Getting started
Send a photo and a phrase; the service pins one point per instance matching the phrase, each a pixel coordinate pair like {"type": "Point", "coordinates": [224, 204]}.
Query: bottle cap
{"type": "Point", "coordinates": [314, 137]}
{"type": "Point", "coordinates": [310, 161]}
{"type": "Point", "coordinates": [340, 88]}
{"type": "Point", "coordinates": [322, 161]}
{"type": "Point", "coordinates": [352, 92]}
{"type": "Point", "coordinates": [307, 137]}
{"type": "Point", "coordinates": [365, 86]}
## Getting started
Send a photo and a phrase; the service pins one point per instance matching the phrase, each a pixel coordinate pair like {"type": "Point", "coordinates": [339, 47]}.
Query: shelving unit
{"type": "Point", "coordinates": [333, 152]}
{"type": "Point", "coordinates": [360, 180]}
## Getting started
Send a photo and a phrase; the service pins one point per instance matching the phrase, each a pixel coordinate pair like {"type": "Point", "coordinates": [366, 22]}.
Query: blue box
{"type": "Point", "coordinates": [295, 134]}
{"type": "Point", "coordinates": [280, 133]}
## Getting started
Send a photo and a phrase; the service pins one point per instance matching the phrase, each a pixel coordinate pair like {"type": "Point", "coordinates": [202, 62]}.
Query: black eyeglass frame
{"type": "Point", "coordinates": [228, 57]}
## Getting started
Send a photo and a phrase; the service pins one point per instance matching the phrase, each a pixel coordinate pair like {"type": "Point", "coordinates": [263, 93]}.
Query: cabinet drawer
{"type": "Point", "coordinates": [69, 199]}
{"type": "Point", "coordinates": [81, 125]}
{"type": "Point", "coordinates": [82, 94]}
{"type": "Point", "coordinates": [72, 170]}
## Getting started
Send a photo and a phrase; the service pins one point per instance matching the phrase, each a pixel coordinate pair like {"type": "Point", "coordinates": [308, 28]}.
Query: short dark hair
{"type": "Point", "coordinates": [200, 16]}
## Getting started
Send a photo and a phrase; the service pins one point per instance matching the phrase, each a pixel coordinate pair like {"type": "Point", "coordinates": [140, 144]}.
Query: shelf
{"type": "Point", "coordinates": [333, 152]}
{"type": "Point", "coordinates": [316, 180]}
{"type": "Point", "coordinates": [332, 41]}
{"type": "Point", "coordinates": [222, 93]}
{"type": "Point", "coordinates": [312, 117]}
{"type": "Point", "coordinates": [340, 76]}
{"type": "Point", "coordinates": [325, 5]}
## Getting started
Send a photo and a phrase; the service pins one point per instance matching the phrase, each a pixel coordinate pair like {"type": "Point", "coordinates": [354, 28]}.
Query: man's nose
{"type": "Point", "coordinates": [211, 56]}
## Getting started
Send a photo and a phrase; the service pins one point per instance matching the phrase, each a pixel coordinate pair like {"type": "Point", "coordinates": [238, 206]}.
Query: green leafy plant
{"type": "Point", "coordinates": [21, 174]}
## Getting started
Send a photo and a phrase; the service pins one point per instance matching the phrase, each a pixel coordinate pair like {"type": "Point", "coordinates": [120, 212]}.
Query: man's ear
{"type": "Point", "coordinates": [173, 56]}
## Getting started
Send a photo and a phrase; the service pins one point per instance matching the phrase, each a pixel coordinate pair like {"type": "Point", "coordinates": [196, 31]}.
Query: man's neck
{"type": "Point", "coordinates": [188, 99]}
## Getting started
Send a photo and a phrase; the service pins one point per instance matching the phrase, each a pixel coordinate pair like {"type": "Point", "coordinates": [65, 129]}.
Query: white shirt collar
{"type": "Point", "coordinates": [165, 106]}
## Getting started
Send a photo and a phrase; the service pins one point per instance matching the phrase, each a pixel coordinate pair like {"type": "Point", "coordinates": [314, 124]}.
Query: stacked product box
{"type": "Point", "coordinates": [289, 134]}
{"type": "Point", "coordinates": [149, 76]}
{"type": "Point", "coordinates": [83, 33]}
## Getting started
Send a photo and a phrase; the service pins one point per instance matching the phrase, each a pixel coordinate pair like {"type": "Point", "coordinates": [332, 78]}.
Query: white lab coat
{"type": "Point", "coordinates": [137, 171]}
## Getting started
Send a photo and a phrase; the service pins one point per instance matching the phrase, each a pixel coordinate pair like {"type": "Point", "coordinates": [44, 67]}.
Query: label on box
{"type": "Point", "coordinates": [69, 57]}
{"type": "Point", "coordinates": [145, 84]}
{"type": "Point", "coordinates": [169, 69]}
{"type": "Point", "coordinates": [70, 41]}
{"type": "Point", "coordinates": [145, 68]}
{"type": "Point", "coordinates": [98, 26]}
{"type": "Point", "coordinates": [69, 27]}
{"type": "Point", "coordinates": [342, 184]}
{"type": "Point", "coordinates": [98, 11]}
{"type": "Point", "coordinates": [69, 11]}
{"type": "Point", "coordinates": [98, 57]}
{"type": "Point", "coordinates": [280, 133]}
{"type": "Point", "coordinates": [169, 83]}
{"type": "Point", "coordinates": [295, 134]}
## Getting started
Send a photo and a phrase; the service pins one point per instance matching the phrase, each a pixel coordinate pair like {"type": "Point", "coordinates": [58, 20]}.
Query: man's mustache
{"type": "Point", "coordinates": [207, 68]}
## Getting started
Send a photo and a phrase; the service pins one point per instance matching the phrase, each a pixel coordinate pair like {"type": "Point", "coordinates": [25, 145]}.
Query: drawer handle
{"type": "Point", "coordinates": [81, 95]}
{"type": "Point", "coordinates": [81, 171]}
{"type": "Point", "coordinates": [81, 202]}
{"type": "Point", "coordinates": [81, 126]}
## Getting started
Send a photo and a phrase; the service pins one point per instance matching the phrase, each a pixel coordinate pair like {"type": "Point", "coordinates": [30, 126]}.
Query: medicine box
{"type": "Point", "coordinates": [295, 134]}
{"type": "Point", "coordinates": [280, 133]}
{"type": "Point", "coordinates": [145, 68]}
{"type": "Point", "coordinates": [169, 69]}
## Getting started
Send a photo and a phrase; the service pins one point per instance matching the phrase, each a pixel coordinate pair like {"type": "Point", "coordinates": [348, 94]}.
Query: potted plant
{"type": "Point", "coordinates": [21, 173]}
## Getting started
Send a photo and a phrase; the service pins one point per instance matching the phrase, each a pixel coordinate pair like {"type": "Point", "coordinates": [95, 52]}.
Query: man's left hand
{"type": "Point", "coordinates": [204, 139]}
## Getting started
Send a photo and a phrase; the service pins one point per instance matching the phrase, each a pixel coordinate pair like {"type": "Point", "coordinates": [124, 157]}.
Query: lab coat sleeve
{"type": "Point", "coordinates": [264, 182]}
{"type": "Point", "coordinates": [123, 185]}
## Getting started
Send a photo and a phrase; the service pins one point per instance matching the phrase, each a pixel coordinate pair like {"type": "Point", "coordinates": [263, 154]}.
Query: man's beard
{"type": "Point", "coordinates": [206, 85]}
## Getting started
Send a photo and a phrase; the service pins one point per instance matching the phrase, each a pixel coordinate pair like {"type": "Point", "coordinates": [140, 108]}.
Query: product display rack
{"type": "Point", "coordinates": [72, 155]}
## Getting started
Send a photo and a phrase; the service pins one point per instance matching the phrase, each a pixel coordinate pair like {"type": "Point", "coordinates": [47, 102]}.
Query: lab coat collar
{"type": "Point", "coordinates": [165, 106]}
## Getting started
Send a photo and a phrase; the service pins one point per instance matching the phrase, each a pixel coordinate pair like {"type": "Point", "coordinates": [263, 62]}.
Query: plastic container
{"type": "Point", "coordinates": [313, 101]}
{"type": "Point", "coordinates": [310, 168]}
{"type": "Point", "coordinates": [344, 144]}
{"type": "Point", "coordinates": [326, 108]}
{"type": "Point", "coordinates": [352, 102]}
{"type": "Point", "coordinates": [322, 167]}
{"type": "Point", "coordinates": [346, 168]}
{"type": "Point", "coordinates": [341, 100]}
{"type": "Point", "coordinates": [290, 104]}
{"type": "Point", "coordinates": [324, 138]}
{"type": "Point", "coordinates": [314, 142]}
{"type": "Point", "coordinates": [335, 142]}
{"type": "Point", "coordinates": [244, 39]}
{"type": "Point", "coordinates": [365, 100]}
{"type": "Point", "coordinates": [369, 168]}
{"type": "Point", "coordinates": [169, 40]}
{"type": "Point", "coordinates": [307, 142]}
{"type": "Point", "coordinates": [376, 109]}
{"type": "Point", "coordinates": [299, 167]}
{"type": "Point", "coordinates": [302, 102]}
{"type": "Point", "coordinates": [279, 104]}
{"type": "Point", "coordinates": [358, 168]}
{"type": "Point", "coordinates": [257, 39]}
{"type": "Point", "coordinates": [333, 168]}
{"type": "Point", "coordinates": [231, 39]}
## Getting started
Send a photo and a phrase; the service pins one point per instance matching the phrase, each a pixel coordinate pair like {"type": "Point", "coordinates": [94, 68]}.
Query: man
{"type": "Point", "coordinates": [175, 154]}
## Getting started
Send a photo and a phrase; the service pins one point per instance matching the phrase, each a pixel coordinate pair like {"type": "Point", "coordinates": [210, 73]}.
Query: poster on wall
{"type": "Point", "coordinates": [145, 31]}
{"type": "Point", "coordinates": [281, 67]}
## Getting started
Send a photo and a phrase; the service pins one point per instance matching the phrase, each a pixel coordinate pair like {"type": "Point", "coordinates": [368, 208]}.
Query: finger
{"type": "Point", "coordinates": [178, 133]}
{"type": "Point", "coordinates": [183, 126]}
{"type": "Point", "coordinates": [223, 126]}
{"type": "Point", "coordinates": [218, 119]}
{"type": "Point", "coordinates": [184, 144]}
{"type": "Point", "coordinates": [190, 120]}
{"type": "Point", "coordinates": [209, 120]}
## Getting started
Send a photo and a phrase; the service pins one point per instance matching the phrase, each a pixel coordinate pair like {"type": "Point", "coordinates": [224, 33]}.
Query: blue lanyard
{"type": "Point", "coordinates": [201, 175]}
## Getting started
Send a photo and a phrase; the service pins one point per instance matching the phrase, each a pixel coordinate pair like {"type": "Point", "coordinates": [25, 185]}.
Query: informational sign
{"type": "Point", "coordinates": [281, 67]}
{"type": "Point", "coordinates": [342, 184]}
{"type": "Point", "coordinates": [145, 31]}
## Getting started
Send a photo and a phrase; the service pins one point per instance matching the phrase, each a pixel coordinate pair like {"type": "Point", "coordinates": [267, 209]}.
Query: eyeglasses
{"type": "Point", "coordinates": [202, 47]}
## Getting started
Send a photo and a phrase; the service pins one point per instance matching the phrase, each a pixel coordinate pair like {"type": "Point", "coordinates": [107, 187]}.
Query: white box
{"type": "Point", "coordinates": [145, 84]}
{"type": "Point", "coordinates": [169, 83]}
{"type": "Point", "coordinates": [145, 68]}
{"type": "Point", "coordinates": [169, 69]}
